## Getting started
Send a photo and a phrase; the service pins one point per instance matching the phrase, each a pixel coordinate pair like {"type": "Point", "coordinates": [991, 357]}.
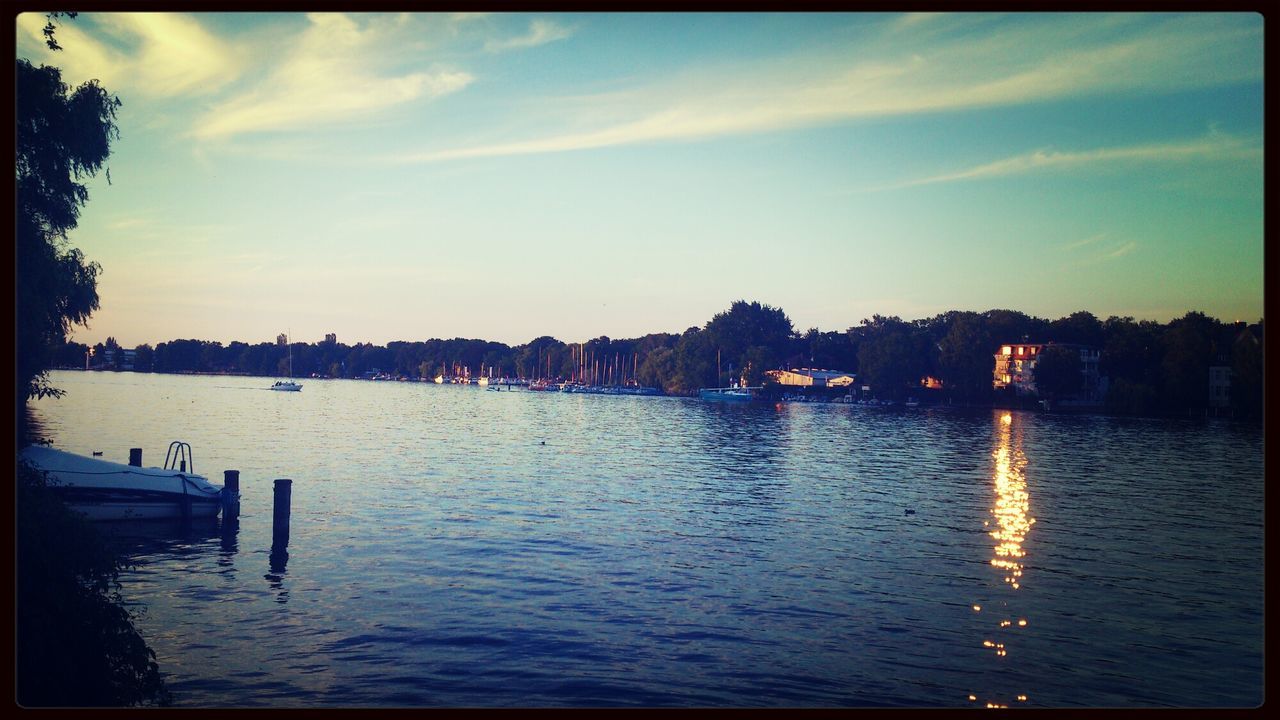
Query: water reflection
{"type": "Point", "coordinates": [1012, 502]}
{"type": "Point", "coordinates": [230, 531]}
{"type": "Point", "coordinates": [143, 538]}
{"type": "Point", "coordinates": [1012, 523]}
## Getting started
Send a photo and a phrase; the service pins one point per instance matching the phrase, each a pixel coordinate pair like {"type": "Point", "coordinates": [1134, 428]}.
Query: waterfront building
{"type": "Point", "coordinates": [811, 377]}
{"type": "Point", "coordinates": [1220, 370]}
{"type": "Point", "coordinates": [1015, 367]}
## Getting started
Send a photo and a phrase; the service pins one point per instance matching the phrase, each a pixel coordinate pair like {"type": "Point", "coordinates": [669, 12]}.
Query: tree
{"type": "Point", "coordinates": [695, 362]}
{"type": "Point", "coordinates": [75, 642]}
{"type": "Point", "coordinates": [965, 357]}
{"type": "Point", "coordinates": [1078, 327]}
{"type": "Point", "coordinates": [143, 358]}
{"type": "Point", "coordinates": [1188, 352]}
{"type": "Point", "coordinates": [751, 325]}
{"type": "Point", "coordinates": [1058, 372]}
{"type": "Point", "coordinates": [892, 356]}
{"type": "Point", "coordinates": [63, 139]}
{"type": "Point", "coordinates": [1246, 373]}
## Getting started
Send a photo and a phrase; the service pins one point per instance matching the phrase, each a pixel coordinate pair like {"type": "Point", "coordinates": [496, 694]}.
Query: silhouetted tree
{"type": "Point", "coordinates": [1246, 373]}
{"type": "Point", "coordinates": [892, 355]}
{"type": "Point", "coordinates": [965, 358]}
{"type": "Point", "coordinates": [1188, 352]}
{"type": "Point", "coordinates": [63, 137]}
{"type": "Point", "coordinates": [1057, 372]}
{"type": "Point", "coordinates": [763, 329]}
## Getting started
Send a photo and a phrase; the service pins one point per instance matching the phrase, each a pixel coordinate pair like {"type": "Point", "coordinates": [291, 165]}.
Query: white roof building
{"type": "Point", "coordinates": [811, 377]}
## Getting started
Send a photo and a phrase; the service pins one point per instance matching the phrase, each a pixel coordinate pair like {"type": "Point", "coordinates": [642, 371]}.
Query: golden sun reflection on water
{"type": "Point", "coordinates": [1012, 503]}
{"type": "Point", "coordinates": [1013, 522]}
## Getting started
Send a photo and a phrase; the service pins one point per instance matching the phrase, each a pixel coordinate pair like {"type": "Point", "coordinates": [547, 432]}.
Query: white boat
{"type": "Point", "coordinates": [288, 385]}
{"type": "Point", "coordinates": [105, 490]}
{"type": "Point", "coordinates": [730, 394]}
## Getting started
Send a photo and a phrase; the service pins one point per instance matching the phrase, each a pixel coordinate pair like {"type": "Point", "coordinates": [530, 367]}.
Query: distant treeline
{"type": "Point", "coordinates": [1153, 368]}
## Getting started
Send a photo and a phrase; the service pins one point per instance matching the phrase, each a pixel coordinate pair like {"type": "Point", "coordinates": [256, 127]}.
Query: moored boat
{"type": "Point", "coordinates": [105, 490]}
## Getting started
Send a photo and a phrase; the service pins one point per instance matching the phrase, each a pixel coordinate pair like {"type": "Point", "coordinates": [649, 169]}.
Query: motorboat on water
{"type": "Point", "coordinates": [105, 490]}
{"type": "Point", "coordinates": [729, 394]}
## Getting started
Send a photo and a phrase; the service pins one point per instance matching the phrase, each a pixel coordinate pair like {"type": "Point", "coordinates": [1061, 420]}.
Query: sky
{"type": "Point", "coordinates": [505, 176]}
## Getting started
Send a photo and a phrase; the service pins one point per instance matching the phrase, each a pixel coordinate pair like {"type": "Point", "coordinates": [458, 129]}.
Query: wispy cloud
{"type": "Point", "coordinates": [540, 32]}
{"type": "Point", "coordinates": [1215, 146]}
{"type": "Point", "coordinates": [1086, 241]}
{"type": "Point", "coordinates": [1121, 251]}
{"type": "Point", "coordinates": [158, 54]}
{"type": "Point", "coordinates": [1112, 251]}
{"type": "Point", "coordinates": [330, 75]}
{"type": "Point", "coordinates": [898, 73]}
{"type": "Point", "coordinates": [1095, 254]}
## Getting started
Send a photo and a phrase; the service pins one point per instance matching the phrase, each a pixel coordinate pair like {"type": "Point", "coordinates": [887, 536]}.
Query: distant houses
{"type": "Point", "coordinates": [1231, 339]}
{"type": "Point", "coordinates": [113, 359]}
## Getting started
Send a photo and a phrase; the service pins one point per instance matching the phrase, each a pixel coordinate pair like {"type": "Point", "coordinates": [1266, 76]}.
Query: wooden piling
{"type": "Point", "coordinates": [135, 457]}
{"type": "Point", "coordinates": [230, 494]}
{"type": "Point", "coordinates": [280, 513]}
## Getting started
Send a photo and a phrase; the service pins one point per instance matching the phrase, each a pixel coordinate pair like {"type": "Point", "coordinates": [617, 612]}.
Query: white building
{"type": "Point", "coordinates": [1016, 367]}
{"type": "Point", "coordinates": [811, 377]}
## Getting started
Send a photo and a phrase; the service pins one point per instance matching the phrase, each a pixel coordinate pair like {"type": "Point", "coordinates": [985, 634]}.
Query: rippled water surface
{"type": "Point", "coordinates": [452, 546]}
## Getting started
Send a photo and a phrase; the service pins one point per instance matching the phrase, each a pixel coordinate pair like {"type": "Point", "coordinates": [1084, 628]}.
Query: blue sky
{"type": "Point", "coordinates": [503, 176]}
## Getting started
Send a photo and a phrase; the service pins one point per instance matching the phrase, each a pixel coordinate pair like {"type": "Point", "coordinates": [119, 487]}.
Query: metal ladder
{"type": "Point", "coordinates": [179, 457]}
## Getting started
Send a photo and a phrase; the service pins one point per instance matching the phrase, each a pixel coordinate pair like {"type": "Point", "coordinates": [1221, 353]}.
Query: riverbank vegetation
{"type": "Point", "coordinates": [76, 645]}
{"type": "Point", "coordinates": [1153, 368]}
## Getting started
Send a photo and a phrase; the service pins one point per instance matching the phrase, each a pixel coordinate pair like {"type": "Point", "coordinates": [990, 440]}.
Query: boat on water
{"type": "Point", "coordinates": [105, 490]}
{"type": "Point", "coordinates": [288, 385]}
{"type": "Point", "coordinates": [729, 394]}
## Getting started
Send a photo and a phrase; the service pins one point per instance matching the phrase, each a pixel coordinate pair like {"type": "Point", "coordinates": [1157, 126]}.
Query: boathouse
{"type": "Point", "coordinates": [811, 377]}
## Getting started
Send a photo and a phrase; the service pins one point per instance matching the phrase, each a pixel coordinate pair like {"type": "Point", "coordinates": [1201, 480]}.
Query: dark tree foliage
{"type": "Point", "coordinates": [695, 362]}
{"type": "Point", "coordinates": [76, 644]}
{"type": "Point", "coordinates": [1078, 327]}
{"type": "Point", "coordinates": [751, 337]}
{"type": "Point", "coordinates": [1058, 372]}
{"type": "Point", "coordinates": [1188, 353]}
{"type": "Point", "coordinates": [63, 138]}
{"type": "Point", "coordinates": [893, 355]}
{"type": "Point", "coordinates": [964, 359]}
{"type": "Point", "coordinates": [1246, 372]}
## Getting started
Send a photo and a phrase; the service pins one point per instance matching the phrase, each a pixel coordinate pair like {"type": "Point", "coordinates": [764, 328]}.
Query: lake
{"type": "Point", "coordinates": [453, 546]}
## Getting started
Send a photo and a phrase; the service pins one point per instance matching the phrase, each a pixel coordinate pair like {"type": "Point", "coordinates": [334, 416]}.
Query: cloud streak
{"type": "Point", "coordinates": [330, 75]}
{"type": "Point", "coordinates": [1214, 147]}
{"type": "Point", "coordinates": [897, 73]}
{"type": "Point", "coordinates": [541, 32]}
{"type": "Point", "coordinates": [169, 55]}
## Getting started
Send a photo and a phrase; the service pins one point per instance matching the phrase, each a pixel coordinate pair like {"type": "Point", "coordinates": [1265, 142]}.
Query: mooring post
{"type": "Point", "coordinates": [230, 494]}
{"type": "Point", "coordinates": [135, 457]}
{"type": "Point", "coordinates": [280, 514]}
